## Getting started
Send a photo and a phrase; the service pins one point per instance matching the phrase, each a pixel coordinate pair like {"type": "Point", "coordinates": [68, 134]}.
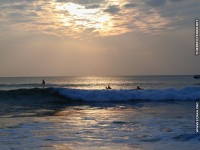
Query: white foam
{"type": "Point", "coordinates": [188, 93]}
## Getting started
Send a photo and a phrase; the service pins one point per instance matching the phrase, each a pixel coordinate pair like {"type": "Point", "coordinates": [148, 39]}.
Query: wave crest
{"type": "Point", "coordinates": [188, 93]}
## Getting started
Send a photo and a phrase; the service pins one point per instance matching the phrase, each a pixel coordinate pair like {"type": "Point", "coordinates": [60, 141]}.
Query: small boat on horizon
{"type": "Point", "coordinates": [196, 76]}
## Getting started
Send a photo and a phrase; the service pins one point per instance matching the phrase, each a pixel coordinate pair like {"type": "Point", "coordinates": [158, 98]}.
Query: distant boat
{"type": "Point", "coordinates": [196, 76]}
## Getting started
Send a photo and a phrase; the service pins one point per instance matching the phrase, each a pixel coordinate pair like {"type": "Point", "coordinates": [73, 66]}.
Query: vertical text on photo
{"type": "Point", "coordinates": [196, 37]}
{"type": "Point", "coordinates": [197, 117]}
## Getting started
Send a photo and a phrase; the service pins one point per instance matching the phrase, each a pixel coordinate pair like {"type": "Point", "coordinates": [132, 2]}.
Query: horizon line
{"type": "Point", "coordinates": [48, 76]}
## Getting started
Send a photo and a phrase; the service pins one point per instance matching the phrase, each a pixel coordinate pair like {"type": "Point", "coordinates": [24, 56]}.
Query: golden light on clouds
{"type": "Point", "coordinates": [77, 18]}
{"type": "Point", "coordinates": [108, 18]}
{"type": "Point", "coordinates": [82, 18]}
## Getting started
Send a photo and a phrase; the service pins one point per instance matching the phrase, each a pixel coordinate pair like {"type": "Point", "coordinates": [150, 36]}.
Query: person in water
{"type": "Point", "coordinates": [139, 88]}
{"type": "Point", "coordinates": [108, 87]}
{"type": "Point", "coordinates": [43, 82]}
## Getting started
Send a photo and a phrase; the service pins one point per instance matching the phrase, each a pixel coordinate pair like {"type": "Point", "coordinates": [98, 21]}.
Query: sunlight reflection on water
{"type": "Point", "coordinates": [138, 126]}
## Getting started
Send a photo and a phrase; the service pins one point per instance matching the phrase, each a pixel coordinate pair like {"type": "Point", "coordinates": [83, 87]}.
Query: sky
{"type": "Point", "coordinates": [98, 37]}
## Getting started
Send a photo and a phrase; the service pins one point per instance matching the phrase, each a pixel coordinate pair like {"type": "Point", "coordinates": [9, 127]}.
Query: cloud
{"type": "Point", "coordinates": [112, 9]}
{"type": "Point", "coordinates": [92, 6]}
{"type": "Point", "coordinates": [16, 1]}
{"type": "Point", "coordinates": [81, 2]}
{"type": "Point", "coordinates": [74, 19]}
{"type": "Point", "coordinates": [19, 6]}
{"type": "Point", "coordinates": [129, 5]}
{"type": "Point", "coordinates": [180, 13]}
{"type": "Point", "coordinates": [176, 0]}
{"type": "Point", "coordinates": [156, 2]}
{"type": "Point", "coordinates": [97, 17]}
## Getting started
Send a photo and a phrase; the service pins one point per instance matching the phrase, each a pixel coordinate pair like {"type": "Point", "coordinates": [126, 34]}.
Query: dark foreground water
{"type": "Point", "coordinates": [131, 125]}
{"type": "Point", "coordinates": [66, 115]}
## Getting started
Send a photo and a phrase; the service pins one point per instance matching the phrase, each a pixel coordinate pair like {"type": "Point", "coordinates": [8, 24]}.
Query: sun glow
{"type": "Point", "coordinates": [103, 18]}
{"type": "Point", "coordinates": [82, 18]}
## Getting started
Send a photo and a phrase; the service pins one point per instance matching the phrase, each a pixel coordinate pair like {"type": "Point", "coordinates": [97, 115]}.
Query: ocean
{"type": "Point", "coordinates": [79, 113]}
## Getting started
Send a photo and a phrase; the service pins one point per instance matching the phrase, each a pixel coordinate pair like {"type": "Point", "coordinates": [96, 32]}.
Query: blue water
{"type": "Point", "coordinates": [79, 113]}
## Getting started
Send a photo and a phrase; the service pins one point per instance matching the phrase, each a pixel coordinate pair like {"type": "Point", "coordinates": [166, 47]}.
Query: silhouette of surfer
{"type": "Point", "coordinates": [139, 88]}
{"type": "Point", "coordinates": [108, 87]}
{"type": "Point", "coordinates": [43, 82]}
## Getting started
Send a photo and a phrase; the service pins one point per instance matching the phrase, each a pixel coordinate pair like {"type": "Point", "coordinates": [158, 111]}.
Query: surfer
{"type": "Point", "coordinates": [43, 82]}
{"type": "Point", "coordinates": [108, 87]}
{"type": "Point", "coordinates": [139, 88]}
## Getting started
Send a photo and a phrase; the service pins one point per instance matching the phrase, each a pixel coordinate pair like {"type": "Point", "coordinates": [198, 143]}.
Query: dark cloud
{"type": "Point", "coordinates": [31, 0]}
{"type": "Point", "coordinates": [16, 1]}
{"type": "Point", "coordinates": [92, 6]}
{"type": "Point", "coordinates": [129, 5]}
{"type": "Point", "coordinates": [176, 0]}
{"type": "Point", "coordinates": [19, 17]}
{"type": "Point", "coordinates": [112, 9]}
{"type": "Point", "coordinates": [156, 2]}
{"type": "Point", "coordinates": [179, 12]}
{"type": "Point", "coordinates": [19, 7]}
{"type": "Point", "coordinates": [8, 1]}
{"type": "Point", "coordinates": [82, 2]}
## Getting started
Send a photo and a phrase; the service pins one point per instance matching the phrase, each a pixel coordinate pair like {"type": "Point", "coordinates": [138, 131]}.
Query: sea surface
{"type": "Point", "coordinates": [79, 113]}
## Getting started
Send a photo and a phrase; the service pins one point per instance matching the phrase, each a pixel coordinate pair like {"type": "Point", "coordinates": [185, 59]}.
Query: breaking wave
{"type": "Point", "coordinates": [187, 93]}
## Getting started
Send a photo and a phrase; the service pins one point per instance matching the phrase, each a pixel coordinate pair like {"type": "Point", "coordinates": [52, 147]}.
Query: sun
{"type": "Point", "coordinates": [81, 18]}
